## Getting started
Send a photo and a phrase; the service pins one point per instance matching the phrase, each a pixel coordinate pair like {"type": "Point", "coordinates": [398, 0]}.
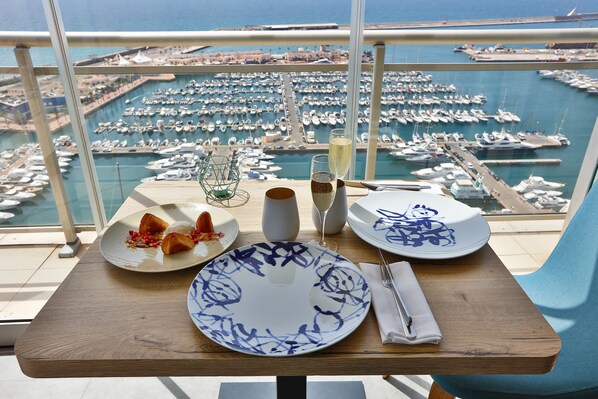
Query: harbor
{"type": "Point", "coordinates": [496, 136]}
{"type": "Point", "coordinates": [258, 119]}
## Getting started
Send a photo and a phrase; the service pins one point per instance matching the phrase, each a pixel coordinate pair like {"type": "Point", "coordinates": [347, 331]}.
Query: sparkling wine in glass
{"type": "Point", "coordinates": [339, 150]}
{"type": "Point", "coordinates": [323, 190]}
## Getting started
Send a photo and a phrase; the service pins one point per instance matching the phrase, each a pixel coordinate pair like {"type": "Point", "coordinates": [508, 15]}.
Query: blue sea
{"type": "Point", "coordinates": [540, 103]}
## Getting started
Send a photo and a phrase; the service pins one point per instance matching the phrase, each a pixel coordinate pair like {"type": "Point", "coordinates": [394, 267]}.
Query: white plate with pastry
{"type": "Point", "coordinates": [169, 237]}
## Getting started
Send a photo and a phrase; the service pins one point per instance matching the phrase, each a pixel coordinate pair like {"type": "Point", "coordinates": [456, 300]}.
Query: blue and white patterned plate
{"type": "Point", "coordinates": [278, 299]}
{"type": "Point", "coordinates": [418, 225]}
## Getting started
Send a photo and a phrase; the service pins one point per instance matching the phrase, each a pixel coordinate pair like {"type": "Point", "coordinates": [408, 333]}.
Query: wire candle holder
{"type": "Point", "coordinates": [219, 178]}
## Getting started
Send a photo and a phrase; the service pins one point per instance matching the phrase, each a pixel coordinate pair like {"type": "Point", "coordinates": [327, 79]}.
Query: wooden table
{"type": "Point", "coordinates": [106, 321]}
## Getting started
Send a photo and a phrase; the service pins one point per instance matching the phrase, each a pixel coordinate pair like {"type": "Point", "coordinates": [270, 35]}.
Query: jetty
{"type": "Point", "coordinates": [437, 24]}
{"type": "Point", "coordinates": [295, 128]}
{"type": "Point", "coordinates": [548, 161]}
{"type": "Point", "coordinates": [501, 191]}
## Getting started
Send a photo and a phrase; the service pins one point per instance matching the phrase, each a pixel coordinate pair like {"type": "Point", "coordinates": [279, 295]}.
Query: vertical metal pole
{"type": "Point", "coordinates": [587, 176]}
{"type": "Point", "coordinates": [376, 98]}
{"type": "Point", "coordinates": [71, 94]}
{"type": "Point", "coordinates": [354, 75]}
{"type": "Point", "coordinates": [44, 136]}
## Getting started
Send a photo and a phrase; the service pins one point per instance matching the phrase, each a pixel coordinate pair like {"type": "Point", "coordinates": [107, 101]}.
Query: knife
{"type": "Point", "coordinates": [383, 186]}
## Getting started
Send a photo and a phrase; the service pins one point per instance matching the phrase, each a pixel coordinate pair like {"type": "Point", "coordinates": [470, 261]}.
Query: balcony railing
{"type": "Point", "coordinates": [378, 38]}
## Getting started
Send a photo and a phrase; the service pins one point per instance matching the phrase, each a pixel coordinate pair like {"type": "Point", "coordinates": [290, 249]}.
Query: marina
{"type": "Point", "coordinates": [290, 113]}
{"type": "Point", "coordinates": [430, 116]}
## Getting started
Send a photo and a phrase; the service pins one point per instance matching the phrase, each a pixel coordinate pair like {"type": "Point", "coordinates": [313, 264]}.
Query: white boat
{"type": "Point", "coordinates": [310, 137]}
{"type": "Point", "coordinates": [174, 175]}
{"type": "Point", "coordinates": [549, 202]}
{"type": "Point", "coordinates": [186, 162]}
{"type": "Point", "coordinates": [232, 141]}
{"type": "Point", "coordinates": [468, 189]}
{"type": "Point", "coordinates": [449, 179]}
{"type": "Point", "coordinates": [536, 183]}
{"type": "Point", "coordinates": [437, 171]}
{"type": "Point", "coordinates": [535, 194]}
{"type": "Point", "coordinates": [429, 158]}
{"type": "Point", "coordinates": [215, 141]}
{"type": "Point", "coordinates": [502, 141]}
{"type": "Point", "coordinates": [416, 150]}
{"type": "Point", "coordinates": [260, 168]}
{"type": "Point", "coordinates": [4, 216]}
{"type": "Point", "coordinates": [184, 148]}
{"type": "Point", "coordinates": [14, 194]}
{"type": "Point", "coordinates": [8, 204]}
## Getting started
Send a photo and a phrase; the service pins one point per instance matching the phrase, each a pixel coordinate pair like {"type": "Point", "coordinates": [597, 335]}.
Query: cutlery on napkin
{"type": "Point", "coordinates": [389, 322]}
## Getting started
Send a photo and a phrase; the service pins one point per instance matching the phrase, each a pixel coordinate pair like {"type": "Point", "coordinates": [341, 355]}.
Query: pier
{"type": "Point", "coordinates": [547, 161]}
{"type": "Point", "coordinates": [437, 24]}
{"type": "Point", "coordinates": [294, 126]}
{"type": "Point", "coordinates": [501, 191]}
{"type": "Point", "coordinates": [530, 55]}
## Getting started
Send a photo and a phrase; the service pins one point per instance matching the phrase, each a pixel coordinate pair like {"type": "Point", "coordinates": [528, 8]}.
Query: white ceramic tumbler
{"type": "Point", "coordinates": [337, 215]}
{"type": "Point", "coordinates": [280, 217]}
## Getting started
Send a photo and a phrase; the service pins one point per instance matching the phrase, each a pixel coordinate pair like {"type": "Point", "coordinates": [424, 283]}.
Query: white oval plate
{"type": "Point", "coordinates": [114, 248]}
{"type": "Point", "coordinates": [278, 299]}
{"type": "Point", "coordinates": [418, 225]}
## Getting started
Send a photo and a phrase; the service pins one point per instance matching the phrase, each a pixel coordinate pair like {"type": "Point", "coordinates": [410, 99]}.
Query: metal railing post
{"type": "Point", "coordinates": [44, 136]}
{"type": "Point", "coordinates": [376, 98]}
{"type": "Point", "coordinates": [354, 75]}
{"type": "Point", "coordinates": [73, 102]}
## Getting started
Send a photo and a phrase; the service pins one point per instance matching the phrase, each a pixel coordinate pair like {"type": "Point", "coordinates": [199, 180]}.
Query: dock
{"type": "Point", "coordinates": [531, 55]}
{"type": "Point", "coordinates": [501, 191]}
{"type": "Point", "coordinates": [295, 126]}
{"type": "Point", "coordinates": [547, 161]}
{"type": "Point", "coordinates": [435, 24]}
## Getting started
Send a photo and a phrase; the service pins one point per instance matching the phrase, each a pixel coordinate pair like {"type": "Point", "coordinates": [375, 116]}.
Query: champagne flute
{"type": "Point", "coordinates": [340, 147]}
{"type": "Point", "coordinates": [323, 190]}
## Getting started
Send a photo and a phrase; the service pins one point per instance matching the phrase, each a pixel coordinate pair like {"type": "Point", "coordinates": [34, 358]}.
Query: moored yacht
{"type": "Point", "coordinates": [184, 148]}
{"type": "Point", "coordinates": [468, 189]}
{"type": "Point", "coordinates": [437, 171]}
{"type": "Point", "coordinates": [536, 183]}
{"type": "Point", "coordinates": [550, 202]}
{"type": "Point", "coordinates": [502, 141]}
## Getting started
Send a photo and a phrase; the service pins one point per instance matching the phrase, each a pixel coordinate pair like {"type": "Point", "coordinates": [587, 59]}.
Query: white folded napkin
{"type": "Point", "coordinates": [391, 330]}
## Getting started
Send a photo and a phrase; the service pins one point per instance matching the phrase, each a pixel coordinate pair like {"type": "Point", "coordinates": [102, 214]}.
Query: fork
{"type": "Point", "coordinates": [388, 282]}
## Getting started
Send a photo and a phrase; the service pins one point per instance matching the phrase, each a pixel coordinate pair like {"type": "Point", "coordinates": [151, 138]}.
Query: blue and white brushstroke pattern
{"type": "Point", "coordinates": [417, 225]}
{"type": "Point", "coordinates": [214, 292]}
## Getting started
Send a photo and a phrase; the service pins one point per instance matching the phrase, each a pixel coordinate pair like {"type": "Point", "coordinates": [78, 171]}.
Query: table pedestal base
{"type": "Point", "coordinates": [315, 390]}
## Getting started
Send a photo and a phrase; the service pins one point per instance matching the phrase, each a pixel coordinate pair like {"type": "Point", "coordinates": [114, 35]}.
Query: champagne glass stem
{"type": "Point", "coordinates": [323, 220]}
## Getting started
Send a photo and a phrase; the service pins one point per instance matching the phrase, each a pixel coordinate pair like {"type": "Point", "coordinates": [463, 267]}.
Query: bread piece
{"type": "Point", "coordinates": [204, 223]}
{"type": "Point", "coordinates": [152, 224]}
{"type": "Point", "coordinates": [176, 242]}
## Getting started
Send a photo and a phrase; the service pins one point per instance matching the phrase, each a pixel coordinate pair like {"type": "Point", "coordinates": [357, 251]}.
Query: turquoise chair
{"type": "Point", "coordinates": [565, 290]}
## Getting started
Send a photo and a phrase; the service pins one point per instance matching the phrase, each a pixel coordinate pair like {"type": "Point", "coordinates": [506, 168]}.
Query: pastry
{"type": "Point", "coordinates": [176, 242]}
{"type": "Point", "coordinates": [204, 223]}
{"type": "Point", "coordinates": [152, 224]}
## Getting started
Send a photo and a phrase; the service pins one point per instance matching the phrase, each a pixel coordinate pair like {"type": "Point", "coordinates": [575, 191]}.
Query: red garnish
{"type": "Point", "coordinates": [148, 240]}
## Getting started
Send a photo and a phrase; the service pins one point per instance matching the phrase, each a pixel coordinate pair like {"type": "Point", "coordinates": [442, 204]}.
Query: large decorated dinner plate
{"type": "Point", "coordinates": [278, 299]}
{"type": "Point", "coordinates": [418, 225]}
{"type": "Point", "coordinates": [114, 248]}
